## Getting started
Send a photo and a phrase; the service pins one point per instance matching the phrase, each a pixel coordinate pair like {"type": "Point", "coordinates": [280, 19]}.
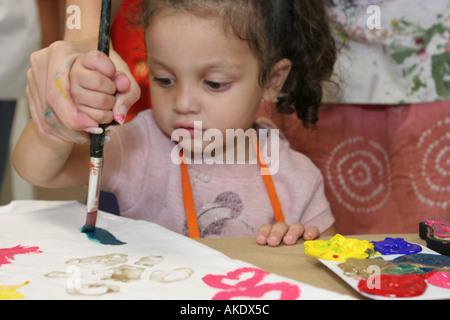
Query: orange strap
{"type": "Point", "coordinates": [268, 181]}
{"type": "Point", "coordinates": [188, 197]}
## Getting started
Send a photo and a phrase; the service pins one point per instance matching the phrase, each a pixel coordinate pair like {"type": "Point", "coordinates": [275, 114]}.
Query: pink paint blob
{"type": "Point", "coordinates": [439, 279]}
{"type": "Point", "coordinates": [7, 255]}
{"type": "Point", "coordinates": [249, 285]}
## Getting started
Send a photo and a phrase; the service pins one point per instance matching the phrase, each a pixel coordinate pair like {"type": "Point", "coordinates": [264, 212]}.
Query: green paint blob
{"type": "Point", "coordinates": [102, 236]}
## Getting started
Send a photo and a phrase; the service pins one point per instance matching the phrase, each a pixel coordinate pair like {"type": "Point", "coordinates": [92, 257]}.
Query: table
{"type": "Point", "coordinates": [292, 262]}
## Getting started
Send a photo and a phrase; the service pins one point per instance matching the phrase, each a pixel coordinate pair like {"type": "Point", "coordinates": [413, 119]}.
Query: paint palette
{"type": "Point", "coordinates": [432, 289]}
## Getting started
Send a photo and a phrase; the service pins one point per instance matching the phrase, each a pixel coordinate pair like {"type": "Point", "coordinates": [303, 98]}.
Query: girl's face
{"type": "Point", "coordinates": [198, 73]}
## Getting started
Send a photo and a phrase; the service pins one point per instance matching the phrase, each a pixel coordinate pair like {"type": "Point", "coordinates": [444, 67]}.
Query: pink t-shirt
{"type": "Point", "coordinates": [231, 199]}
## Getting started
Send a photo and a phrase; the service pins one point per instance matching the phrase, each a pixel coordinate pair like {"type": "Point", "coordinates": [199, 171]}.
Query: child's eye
{"type": "Point", "coordinates": [217, 86]}
{"type": "Point", "coordinates": [165, 82]}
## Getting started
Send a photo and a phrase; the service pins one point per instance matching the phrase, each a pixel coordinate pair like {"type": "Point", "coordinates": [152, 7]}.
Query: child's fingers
{"type": "Point", "coordinates": [92, 99]}
{"type": "Point", "coordinates": [91, 80]}
{"type": "Point", "coordinates": [91, 88]}
{"type": "Point", "coordinates": [48, 124]}
{"type": "Point", "coordinates": [98, 61]}
{"type": "Point", "coordinates": [94, 71]}
{"type": "Point", "coordinates": [311, 233]}
{"type": "Point", "coordinates": [99, 115]}
{"type": "Point", "coordinates": [128, 93]}
{"type": "Point", "coordinates": [263, 234]}
{"type": "Point", "coordinates": [273, 235]}
{"type": "Point", "coordinates": [122, 82]}
{"type": "Point", "coordinates": [294, 232]}
{"type": "Point", "coordinates": [57, 91]}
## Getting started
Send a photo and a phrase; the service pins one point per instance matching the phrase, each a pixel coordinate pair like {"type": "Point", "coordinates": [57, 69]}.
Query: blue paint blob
{"type": "Point", "coordinates": [103, 236]}
{"type": "Point", "coordinates": [396, 246]}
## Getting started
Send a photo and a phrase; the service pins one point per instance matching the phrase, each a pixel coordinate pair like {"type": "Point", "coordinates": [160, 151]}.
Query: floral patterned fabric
{"type": "Point", "coordinates": [403, 59]}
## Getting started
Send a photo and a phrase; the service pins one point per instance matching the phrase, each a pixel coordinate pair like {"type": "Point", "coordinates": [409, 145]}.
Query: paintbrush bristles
{"type": "Point", "coordinates": [91, 219]}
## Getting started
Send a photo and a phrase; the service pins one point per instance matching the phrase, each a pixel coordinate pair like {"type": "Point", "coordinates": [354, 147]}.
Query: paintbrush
{"type": "Point", "coordinates": [97, 140]}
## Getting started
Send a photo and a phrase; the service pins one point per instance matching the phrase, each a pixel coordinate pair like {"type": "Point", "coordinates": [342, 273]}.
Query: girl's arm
{"type": "Point", "coordinates": [53, 150]}
{"type": "Point", "coordinates": [46, 163]}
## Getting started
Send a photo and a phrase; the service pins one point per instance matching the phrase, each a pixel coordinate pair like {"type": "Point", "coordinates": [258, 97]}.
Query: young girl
{"type": "Point", "coordinates": [211, 63]}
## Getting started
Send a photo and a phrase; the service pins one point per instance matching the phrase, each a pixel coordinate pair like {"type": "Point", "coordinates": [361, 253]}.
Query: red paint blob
{"type": "Point", "coordinates": [394, 286]}
{"type": "Point", "coordinates": [7, 255]}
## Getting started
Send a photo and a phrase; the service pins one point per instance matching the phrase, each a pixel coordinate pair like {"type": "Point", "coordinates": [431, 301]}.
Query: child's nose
{"type": "Point", "coordinates": [186, 101]}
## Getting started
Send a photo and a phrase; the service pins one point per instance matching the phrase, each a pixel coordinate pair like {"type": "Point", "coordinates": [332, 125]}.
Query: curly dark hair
{"type": "Point", "coordinates": [297, 30]}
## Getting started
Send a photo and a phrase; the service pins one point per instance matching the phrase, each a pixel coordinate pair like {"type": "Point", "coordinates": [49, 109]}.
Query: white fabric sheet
{"type": "Point", "coordinates": [155, 263]}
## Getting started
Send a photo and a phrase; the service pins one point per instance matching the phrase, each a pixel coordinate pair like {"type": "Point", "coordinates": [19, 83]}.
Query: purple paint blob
{"type": "Point", "coordinates": [396, 246]}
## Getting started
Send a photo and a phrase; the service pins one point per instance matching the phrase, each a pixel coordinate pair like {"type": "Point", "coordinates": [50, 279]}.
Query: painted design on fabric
{"type": "Point", "coordinates": [11, 293]}
{"type": "Point", "coordinates": [431, 184]}
{"type": "Point", "coordinates": [424, 48]}
{"type": "Point", "coordinates": [418, 44]}
{"type": "Point", "coordinates": [359, 175]}
{"type": "Point", "coordinates": [103, 236]}
{"type": "Point", "coordinates": [249, 283]}
{"type": "Point", "coordinates": [7, 255]}
{"type": "Point", "coordinates": [101, 275]}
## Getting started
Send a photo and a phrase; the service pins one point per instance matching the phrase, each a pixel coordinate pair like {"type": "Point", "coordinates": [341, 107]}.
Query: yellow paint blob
{"type": "Point", "coordinates": [339, 248]}
{"type": "Point", "coordinates": [59, 85]}
{"type": "Point", "coordinates": [10, 292]}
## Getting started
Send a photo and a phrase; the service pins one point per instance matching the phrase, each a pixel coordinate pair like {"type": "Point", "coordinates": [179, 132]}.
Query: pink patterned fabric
{"type": "Point", "coordinates": [386, 168]}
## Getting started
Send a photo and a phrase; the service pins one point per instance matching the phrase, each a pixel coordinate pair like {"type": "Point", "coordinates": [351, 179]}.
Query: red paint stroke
{"type": "Point", "coordinates": [7, 255]}
{"type": "Point", "coordinates": [249, 287]}
{"type": "Point", "coordinates": [395, 286]}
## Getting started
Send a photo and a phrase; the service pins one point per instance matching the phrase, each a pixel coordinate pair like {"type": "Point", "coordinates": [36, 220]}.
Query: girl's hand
{"type": "Point", "coordinates": [72, 89]}
{"type": "Point", "coordinates": [273, 235]}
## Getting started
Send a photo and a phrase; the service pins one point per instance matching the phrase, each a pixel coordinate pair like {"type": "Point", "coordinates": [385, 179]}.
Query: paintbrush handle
{"type": "Point", "coordinates": [98, 140]}
{"type": "Point", "coordinates": [105, 28]}
{"type": "Point", "coordinates": [104, 37]}
{"type": "Point", "coordinates": [95, 173]}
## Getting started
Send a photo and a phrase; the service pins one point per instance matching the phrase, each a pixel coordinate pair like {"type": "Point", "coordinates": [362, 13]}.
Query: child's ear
{"type": "Point", "coordinates": [278, 76]}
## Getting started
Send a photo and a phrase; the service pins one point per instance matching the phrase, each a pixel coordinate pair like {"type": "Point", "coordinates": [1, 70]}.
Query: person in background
{"type": "Point", "coordinates": [383, 140]}
{"type": "Point", "coordinates": [20, 35]}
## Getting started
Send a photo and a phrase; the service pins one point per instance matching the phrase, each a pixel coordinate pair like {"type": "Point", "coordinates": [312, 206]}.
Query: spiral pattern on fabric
{"type": "Point", "coordinates": [359, 175]}
{"type": "Point", "coordinates": [432, 184]}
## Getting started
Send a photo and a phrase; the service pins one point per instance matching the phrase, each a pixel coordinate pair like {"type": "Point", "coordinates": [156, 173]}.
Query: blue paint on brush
{"type": "Point", "coordinates": [102, 236]}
